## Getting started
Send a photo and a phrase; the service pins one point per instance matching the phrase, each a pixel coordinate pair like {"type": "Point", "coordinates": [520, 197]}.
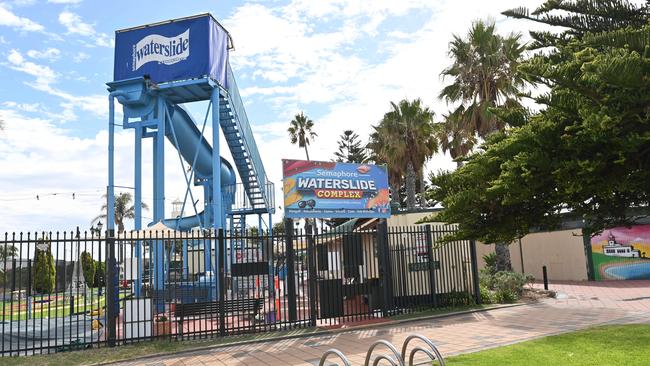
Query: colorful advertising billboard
{"type": "Point", "coordinates": [181, 49]}
{"type": "Point", "coordinates": [622, 253]}
{"type": "Point", "coordinates": [334, 190]}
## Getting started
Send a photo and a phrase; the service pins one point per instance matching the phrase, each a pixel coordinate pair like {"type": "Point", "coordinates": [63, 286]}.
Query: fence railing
{"type": "Point", "coordinates": [57, 292]}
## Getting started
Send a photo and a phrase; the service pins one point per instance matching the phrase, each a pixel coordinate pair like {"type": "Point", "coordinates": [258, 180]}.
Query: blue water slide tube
{"type": "Point", "coordinates": [191, 145]}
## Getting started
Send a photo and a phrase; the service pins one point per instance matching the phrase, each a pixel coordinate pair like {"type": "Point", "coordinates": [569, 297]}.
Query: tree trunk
{"type": "Point", "coordinates": [394, 195]}
{"type": "Point", "coordinates": [423, 200]}
{"type": "Point", "coordinates": [503, 257]}
{"type": "Point", "coordinates": [410, 186]}
{"type": "Point", "coordinates": [306, 152]}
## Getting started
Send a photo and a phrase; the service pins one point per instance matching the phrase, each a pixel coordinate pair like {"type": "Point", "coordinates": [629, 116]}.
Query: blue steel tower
{"type": "Point", "coordinates": [158, 68]}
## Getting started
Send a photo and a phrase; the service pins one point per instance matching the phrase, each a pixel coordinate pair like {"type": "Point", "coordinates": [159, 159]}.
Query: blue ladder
{"type": "Point", "coordinates": [239, 137]}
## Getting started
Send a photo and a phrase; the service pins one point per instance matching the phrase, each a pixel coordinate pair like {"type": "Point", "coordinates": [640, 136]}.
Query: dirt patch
{"type": "Point", "coordinates": [535, 294]}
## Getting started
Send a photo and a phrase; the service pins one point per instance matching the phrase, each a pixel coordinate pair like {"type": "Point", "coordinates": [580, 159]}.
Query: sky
{"type": "Point", "coordinates": [341, 62]}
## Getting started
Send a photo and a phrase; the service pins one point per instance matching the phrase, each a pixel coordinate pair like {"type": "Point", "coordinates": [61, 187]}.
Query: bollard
{"type": "Point", "coordinates": [545, 276]}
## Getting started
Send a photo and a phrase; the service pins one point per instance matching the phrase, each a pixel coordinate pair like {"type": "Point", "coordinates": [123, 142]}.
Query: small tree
{"type": "Point", "coordinates": [44, 273]}
{"type": "Point", "coordinates": [88, 267]}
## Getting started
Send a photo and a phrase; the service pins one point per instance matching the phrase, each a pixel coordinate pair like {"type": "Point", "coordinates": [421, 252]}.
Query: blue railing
{"type": "Point", "coordinates": [241, 203]}
{"type": "Point", "coordinates": [247, 135]}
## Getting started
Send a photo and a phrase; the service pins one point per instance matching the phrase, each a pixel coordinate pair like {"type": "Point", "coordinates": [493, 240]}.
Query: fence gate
{"type": "Point", "coordinates": [57, 293]}
{"type": "Point", "coordinates": [347, 286]}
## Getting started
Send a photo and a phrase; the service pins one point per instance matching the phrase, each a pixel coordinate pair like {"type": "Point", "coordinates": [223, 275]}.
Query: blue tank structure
{"type": "Point", "coordinates": [159, 67]}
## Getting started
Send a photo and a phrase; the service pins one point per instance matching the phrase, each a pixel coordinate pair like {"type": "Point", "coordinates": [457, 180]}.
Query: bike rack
{"type": "Point", "coordinates": [393, 362]}
{"type": "Point", "coordinates": [433, 354]}
{"type": "Point", "coordinates": [336, 352]}
{"type": "Point", "coordinates": [394, 358]}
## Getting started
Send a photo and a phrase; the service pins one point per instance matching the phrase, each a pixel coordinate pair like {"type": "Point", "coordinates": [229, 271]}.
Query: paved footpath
{"type": "Point", "coordinates": [578, 306]}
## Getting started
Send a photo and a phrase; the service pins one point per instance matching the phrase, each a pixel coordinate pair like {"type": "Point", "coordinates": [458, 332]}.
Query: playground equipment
{"type": "Point", "coordinates": [159, 67]}
{"type": "Point", "coordinates": [394, 357]}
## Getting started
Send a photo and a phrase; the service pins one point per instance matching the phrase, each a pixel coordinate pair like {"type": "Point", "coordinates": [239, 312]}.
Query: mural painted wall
{"type": "Point", "coordinates": [622, 253]}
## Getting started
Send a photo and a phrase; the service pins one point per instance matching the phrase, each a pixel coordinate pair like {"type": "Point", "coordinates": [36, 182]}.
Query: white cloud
{"type": "Point", "coordinates": [26, 107]}
{"type": "Point", "coordinates": [23, 2]}
{"type": "Point", "coordinates": [49, 54]}
{"type": "Point", "coordinates": [75, 25]}
{"type": "Point", "coordinates": [40, 158]}
{"type": "Point", "coordinates": [64, 1]}
{"type": "Point", "coordinates": [9, 19]}
{"type": "Point", "coordinates": [80, 56]}
{"type": "Point", "coordinates": [46, 77]}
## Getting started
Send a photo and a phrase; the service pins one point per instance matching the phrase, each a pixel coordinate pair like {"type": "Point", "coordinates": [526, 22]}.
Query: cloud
{"type": "Point", "coordinates": [49, 161]}
{"type": "Point", "coordinates": [80, 56]}
{"type": "Point", "coordinates": [75, 25]}
{"type": "Point", "coordinates": [26, 107]}
{"type": "Point", "coordinates": [64, 1]}
{"type": "Point", "coordinates": [45, 77]}
{"type": "Point", "coordinates": [23, 2]}
{"type": "Point", "coordinates": [50, 54]}
{"type": "Point", "coordinates": [9, 19]}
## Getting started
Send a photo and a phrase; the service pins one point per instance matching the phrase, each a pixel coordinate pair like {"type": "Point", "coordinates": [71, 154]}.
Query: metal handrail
{"type": "Point", "coordinates": [428, 342]}
{"type": "Point", "coordinates": [246, 132]}
{"type": "Point", "coordinates": [400, 361]}
{"type": "Point", "coordinates": [336, 352]}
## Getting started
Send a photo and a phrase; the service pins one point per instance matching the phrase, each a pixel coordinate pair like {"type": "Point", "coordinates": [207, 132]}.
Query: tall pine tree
{"type": "Point", "coordinates": [350, 149]}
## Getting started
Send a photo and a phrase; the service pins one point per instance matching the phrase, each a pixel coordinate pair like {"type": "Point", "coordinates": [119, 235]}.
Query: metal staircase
{"type": "Point", "coordinates": [239, 137]}
{"type": "Point", "coordinates": [238, 225]}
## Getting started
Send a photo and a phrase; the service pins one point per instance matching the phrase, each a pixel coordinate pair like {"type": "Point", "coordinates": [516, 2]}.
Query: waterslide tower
{"type": "Point", "coordinates": [158, 69]}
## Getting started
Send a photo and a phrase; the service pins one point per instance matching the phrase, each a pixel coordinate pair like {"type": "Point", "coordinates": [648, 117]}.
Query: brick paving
{"type": "Point", "coordinates": [578, 306]}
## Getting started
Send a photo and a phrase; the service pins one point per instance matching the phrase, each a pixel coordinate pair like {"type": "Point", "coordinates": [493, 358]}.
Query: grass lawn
{"type": "Point", "coordinates": [609, 345]}
{"type": "Point", "coordinates": [17, 310]}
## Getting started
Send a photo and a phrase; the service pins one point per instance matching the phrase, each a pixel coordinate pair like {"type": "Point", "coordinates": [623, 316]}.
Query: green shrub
{"type": "Point", "coordinates": [44, 275]}
{"type": "Point", "coordinates": [487, 297]}
{"type": "Point", "coordinates": [88, 266]}
{"type": "Point", "coordinates": [490, 260]}
{"type": "Point", "coordinates": [504, 286]}
{"type": "Point", "coordinates": [505, 297]}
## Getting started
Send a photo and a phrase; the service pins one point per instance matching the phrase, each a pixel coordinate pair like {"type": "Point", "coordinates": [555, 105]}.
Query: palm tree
{"type": "Point", "coordinates": [124, 209]}
{"type": "Point", "coordinates": [7, 251]}
{"type": "Point", "coordinates": [381, 152]}
{"type": "Point", "coordinates": [300, 131]}
{"type": "Point", "coordinates": [453, 138]}
{"type": "Point", "coordinates": [404, 140]}
{"type": "Point", "coordinates": [484, 76]}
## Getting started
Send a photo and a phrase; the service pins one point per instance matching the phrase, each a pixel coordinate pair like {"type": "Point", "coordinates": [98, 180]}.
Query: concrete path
{"type": "Point", "coordinates": [579, 305]}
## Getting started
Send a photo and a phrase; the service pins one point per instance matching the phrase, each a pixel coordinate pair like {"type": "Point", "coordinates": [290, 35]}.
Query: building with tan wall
{"type": "Point", "coordinates": [562, 252]}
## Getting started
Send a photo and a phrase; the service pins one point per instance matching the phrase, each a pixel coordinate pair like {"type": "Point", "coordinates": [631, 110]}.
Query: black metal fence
{"type": "Point", "coordinates": [62, 291]}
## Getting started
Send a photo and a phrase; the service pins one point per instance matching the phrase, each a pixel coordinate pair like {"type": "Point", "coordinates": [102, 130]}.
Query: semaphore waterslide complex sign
{"type": "Point", "coordinates": [175, 50]}
{"type": "Point", "coordinates": [330, 189]}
